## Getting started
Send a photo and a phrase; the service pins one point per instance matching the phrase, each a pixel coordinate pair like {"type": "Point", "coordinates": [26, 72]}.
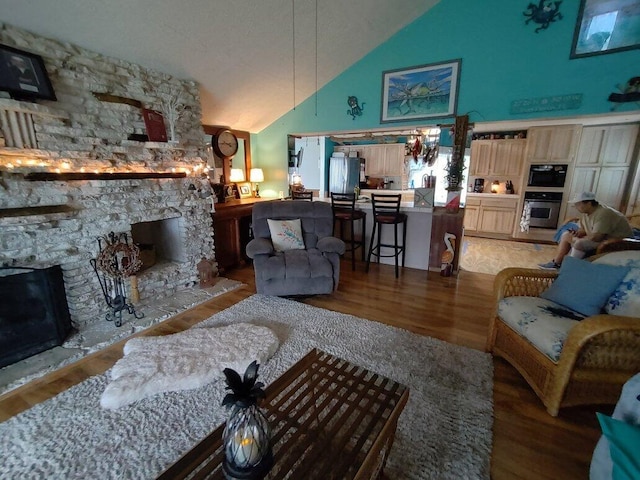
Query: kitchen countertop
{"type": "Point", "coordinates": [405, 206]}
{"type": "Point", "coordinates": [493, 195]}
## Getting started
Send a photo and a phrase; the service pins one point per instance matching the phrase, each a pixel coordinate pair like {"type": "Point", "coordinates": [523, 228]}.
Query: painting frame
{"type": "Point", "coordinates": [244, 190]}
{"type": "Point", "coordinates": [433, 87]}
{"type": "Point", "coordinates": [623, 33]}
{"type": "Point", "coordinates": [24, 76]}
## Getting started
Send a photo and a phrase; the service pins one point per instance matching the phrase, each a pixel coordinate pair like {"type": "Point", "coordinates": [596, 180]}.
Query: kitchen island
{"type": "Point", "coordinates": [424, 250]}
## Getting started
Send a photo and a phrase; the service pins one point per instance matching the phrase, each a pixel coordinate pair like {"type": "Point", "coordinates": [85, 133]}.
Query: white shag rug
{"type": "Point", "coordinates": [444, 432]}
{"type": "Point", "coordinates": [185, 360]}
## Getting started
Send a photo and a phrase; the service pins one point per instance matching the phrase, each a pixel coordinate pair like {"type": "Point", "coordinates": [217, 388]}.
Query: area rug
{"type": "Point", "coordinates": [488, 255]}
{"type": "Point", "coordinates": [444, 432]}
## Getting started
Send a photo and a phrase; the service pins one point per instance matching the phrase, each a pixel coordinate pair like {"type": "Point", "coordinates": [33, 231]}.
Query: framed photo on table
{"type": "Point", "coordinates": [606, 26]}
{"type": "Point", "coordinates": [244, 190]}
{"type": "Point", "coordinates": [422, 92]}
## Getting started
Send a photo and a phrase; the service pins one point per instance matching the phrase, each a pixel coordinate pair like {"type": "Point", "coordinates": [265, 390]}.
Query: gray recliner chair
{"type": "Point", "coordinates": [314, 270]}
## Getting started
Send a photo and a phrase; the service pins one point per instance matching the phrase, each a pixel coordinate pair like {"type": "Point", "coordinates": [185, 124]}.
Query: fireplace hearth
{"type": "Point", "coordinates": [34, 315]}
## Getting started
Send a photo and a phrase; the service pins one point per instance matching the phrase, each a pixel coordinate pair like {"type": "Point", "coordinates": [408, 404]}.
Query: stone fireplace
{"type": "Point", "coordinates": [89, 175]}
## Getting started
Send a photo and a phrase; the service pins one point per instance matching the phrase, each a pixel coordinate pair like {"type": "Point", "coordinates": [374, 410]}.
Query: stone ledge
{"type": "Point", "coordinates": [30, 215]}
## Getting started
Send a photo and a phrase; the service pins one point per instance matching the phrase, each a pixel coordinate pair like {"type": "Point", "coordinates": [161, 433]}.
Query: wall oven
{"type": "Point", "coordinates": [545, 208]}
{"type": "Point", "coordinates": [551, 175]}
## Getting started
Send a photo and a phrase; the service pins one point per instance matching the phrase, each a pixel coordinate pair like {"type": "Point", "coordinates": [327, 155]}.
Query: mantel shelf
{"type": "Point", "coordinates": [70, 176]}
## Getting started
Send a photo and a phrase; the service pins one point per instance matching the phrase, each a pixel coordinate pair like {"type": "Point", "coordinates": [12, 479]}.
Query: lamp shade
{"type": "Point", "coordinates": [236, 175]}
{"type": "Point", "coordinates": [256, 175]}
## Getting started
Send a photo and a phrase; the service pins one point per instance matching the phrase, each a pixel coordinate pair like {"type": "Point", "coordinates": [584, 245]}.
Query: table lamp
{"type": "Point", "coordinates": [236, 175]}
{"type": "Point", "coordinates": [256, 175]}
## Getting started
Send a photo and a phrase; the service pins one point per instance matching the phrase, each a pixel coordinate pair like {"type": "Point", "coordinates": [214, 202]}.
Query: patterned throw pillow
{"type": "Point", "coordinates": [286, 234]}
{"type": "Point", "coordinates": [625, 300]}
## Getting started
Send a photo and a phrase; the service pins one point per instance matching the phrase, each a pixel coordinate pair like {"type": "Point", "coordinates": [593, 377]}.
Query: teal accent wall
{"type": "Point", "coordinates": [502, 60]}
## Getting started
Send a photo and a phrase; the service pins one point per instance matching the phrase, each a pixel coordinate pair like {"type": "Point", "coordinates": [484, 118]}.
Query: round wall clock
{"type": "Point", "coordinates": [224, 143]}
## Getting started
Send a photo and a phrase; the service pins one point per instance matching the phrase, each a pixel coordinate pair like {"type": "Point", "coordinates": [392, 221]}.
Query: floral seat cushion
{"type": "Point", "coordinates": [542, 322]}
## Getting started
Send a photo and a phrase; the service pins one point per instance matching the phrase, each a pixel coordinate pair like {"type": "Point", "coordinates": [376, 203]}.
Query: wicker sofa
{"type": "Point", "coordinates": [595, 356]}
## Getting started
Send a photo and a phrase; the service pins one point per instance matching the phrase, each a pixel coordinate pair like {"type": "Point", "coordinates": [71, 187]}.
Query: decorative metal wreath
{"type": "Point", "coordinates": [119, 259]}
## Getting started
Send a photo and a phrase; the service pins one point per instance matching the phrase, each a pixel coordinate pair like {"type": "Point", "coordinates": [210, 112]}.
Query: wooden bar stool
{"type": "Point", "coordinates": [386, 211]}
{"type": "Point", "coordinates": [344, 212]}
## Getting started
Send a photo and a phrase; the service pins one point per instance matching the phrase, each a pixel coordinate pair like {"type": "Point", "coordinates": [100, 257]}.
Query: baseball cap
{"type": "Point", "coordinates": [583, 197]}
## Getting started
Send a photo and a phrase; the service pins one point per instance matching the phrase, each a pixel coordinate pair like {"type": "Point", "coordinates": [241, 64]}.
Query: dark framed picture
{"type": "Point", "coordinates": [23, 75]}
{"type": "Point", "coordinates": [416, 93]}
{"type": "Point", "coordinates": [606, 26]}
{"type": "Point", "coordinates": [244, 190]}
{"type": "Point", "coordinates": [229, 192]}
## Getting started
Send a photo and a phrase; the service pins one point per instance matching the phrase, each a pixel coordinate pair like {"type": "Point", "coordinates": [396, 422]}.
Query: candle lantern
{"type": "Point", "coordinates": [247, 436]}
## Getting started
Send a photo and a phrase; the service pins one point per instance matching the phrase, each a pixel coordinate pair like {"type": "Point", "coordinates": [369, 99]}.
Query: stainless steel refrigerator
{"type": "Point", "coordinates": [345, 173]}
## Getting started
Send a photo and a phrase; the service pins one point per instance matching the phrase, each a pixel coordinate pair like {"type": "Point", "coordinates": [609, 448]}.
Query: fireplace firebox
{"type": "Point", "coordinates": [34, 315]}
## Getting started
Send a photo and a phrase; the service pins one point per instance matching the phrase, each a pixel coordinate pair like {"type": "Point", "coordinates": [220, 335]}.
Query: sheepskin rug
{"type": "Point", "coordinates": [185, 360]}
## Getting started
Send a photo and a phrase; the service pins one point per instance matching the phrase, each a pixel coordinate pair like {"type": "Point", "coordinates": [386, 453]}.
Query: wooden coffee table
{"type": "Point", "coordinates": [329, 419]}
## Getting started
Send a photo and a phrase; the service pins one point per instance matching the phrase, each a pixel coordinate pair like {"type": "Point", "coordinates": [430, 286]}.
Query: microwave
{"type": "Point", "coordinates": [551, 175]}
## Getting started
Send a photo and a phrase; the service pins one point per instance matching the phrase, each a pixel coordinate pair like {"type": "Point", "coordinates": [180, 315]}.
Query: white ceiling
{"type": "Point", "coordinates": [239, 51]}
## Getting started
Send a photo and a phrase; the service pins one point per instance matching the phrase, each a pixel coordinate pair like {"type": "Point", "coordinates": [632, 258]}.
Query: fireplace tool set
{"type": "Point", "coordinates": [116, 261]}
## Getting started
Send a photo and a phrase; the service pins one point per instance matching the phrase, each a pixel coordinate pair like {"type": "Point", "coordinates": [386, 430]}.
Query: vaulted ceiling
{"type": "Point", "coordinates": [239, 51]}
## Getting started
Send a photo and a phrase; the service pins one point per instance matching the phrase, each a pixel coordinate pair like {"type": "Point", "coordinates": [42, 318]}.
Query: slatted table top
{"type": "Point", "coordinates": [329, 419]}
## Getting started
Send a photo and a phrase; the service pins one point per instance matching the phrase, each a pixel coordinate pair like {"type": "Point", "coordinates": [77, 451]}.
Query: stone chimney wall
{"type": "Point", "coordinates": [44, 223]}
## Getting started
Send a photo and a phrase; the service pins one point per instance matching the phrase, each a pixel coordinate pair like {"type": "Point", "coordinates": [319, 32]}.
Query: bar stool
{"type": "Point", "coordinates": [302, 196]}
{"type": "Point", "coordinates": [344, 211]}
{"type": "Point", "coordinates": [386, 211]}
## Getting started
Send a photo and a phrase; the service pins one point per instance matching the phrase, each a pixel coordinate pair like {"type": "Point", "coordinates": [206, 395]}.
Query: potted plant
{"type": "Point", "coordinates": [455, 181]}
{"type": "Point", "coordinates": [455, 176]}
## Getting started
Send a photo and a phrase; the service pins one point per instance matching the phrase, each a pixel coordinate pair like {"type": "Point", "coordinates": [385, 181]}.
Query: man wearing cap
{"type": "Point", "coordinates": [597, 223]}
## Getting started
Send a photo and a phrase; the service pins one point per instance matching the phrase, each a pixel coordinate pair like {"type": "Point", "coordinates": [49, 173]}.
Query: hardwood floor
{"type": "Point", "coordinates": [527, 443]}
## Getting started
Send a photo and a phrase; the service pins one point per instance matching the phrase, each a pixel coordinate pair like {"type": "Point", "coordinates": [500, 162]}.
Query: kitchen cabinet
{"type": "Point", "coordinates": [556, 144]}
{"type": "Point", "coordinates": [606, 146]}
{"type": "Point", "coordinates": [471, 214]}
{"type": "Point", "coordinates": [491, 158]}
{"type": "Point", "coordinates": [509, 157]}
{"type": "Point", "coordinates": [490, 215]}
{"type": "Point", "coordinates": [383, 160]}
{"type": "Point", "coordinates": [603, 163]}
{"type": "Point", "coordinates": [480, 160]}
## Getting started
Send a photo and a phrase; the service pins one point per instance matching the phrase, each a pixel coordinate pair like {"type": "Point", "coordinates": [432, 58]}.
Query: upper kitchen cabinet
{"type": "Point", "coordinates": [556, 144]}
{"type": "Point", "coordinates": [383, 160]}
{"type": "Point", "coordinates": [607, 146]}
{"type": "Point", "coordinates": [497, 158]}
{"type": "Point", "coordinates": [508, 158]}
{"type": "Point", "coordinates": [603, 163]}
{"type": "Point", "coordinates": [480, 161]}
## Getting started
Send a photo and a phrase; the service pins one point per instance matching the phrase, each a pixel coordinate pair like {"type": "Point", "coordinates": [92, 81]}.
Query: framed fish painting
{"type": "Point", "coordinates": [422, 92]}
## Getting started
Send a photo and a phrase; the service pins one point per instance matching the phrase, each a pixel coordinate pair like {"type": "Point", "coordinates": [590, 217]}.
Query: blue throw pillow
{"type": "Point", "coordinates": [584, 286]}
{"type": "Point", "coordinates": [624, 439]}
